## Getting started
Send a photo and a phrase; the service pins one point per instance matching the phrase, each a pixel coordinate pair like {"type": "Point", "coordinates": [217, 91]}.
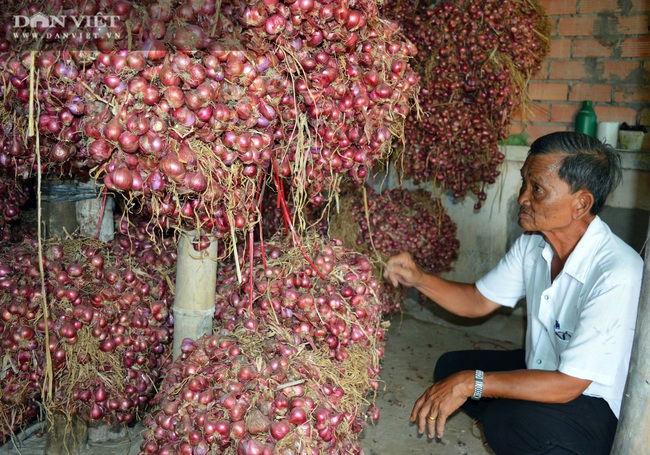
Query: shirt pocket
{"type": "Point", "coordinates": [562, 335]}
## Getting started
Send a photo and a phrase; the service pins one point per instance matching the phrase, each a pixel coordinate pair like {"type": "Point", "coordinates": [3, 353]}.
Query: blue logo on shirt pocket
{"type": "Point", "coordinates": [561, 334]}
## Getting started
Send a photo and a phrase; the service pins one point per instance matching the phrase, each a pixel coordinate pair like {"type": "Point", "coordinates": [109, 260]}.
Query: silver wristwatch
{"type": "Point", "coordinates": [478, 385]}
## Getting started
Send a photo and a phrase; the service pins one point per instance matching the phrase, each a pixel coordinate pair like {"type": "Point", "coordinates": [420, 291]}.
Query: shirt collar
{"type": "Point", "coordinates": [577, 265]}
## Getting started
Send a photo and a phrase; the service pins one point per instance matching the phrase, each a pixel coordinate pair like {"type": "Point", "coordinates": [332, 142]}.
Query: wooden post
{"type": "Point", "coordinates": [92, 209]}
{"type": "Point", "coordinates": [196, 281]}
{"type": "Point", "coordinates": [632, 434]}
{"type": "Point", "coordinates": [66, 437]}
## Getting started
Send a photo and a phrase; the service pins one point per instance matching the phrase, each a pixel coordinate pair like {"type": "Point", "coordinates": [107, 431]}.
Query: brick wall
{"type": "Point", "coordinates": [600, 51]}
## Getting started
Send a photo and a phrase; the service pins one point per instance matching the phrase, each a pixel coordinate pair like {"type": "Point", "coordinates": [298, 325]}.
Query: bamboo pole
{"type": "Point", "coordinates": [632, 434]}
{"type": "Point", "coordinates": [196, 281]}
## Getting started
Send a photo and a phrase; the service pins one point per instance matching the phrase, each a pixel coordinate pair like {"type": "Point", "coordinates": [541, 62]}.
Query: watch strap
{"type": "Point", "coordinates": [478, 385]}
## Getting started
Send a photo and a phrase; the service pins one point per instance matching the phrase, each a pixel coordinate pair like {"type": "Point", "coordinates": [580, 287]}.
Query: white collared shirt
{"type": "Point", "coordinates": [582, 324]}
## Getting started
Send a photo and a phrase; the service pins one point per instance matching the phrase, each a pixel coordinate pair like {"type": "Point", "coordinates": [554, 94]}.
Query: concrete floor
{"type": "Point", "coordinates": [415, 339]}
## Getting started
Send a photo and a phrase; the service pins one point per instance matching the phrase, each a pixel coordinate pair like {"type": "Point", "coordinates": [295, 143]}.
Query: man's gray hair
{"type": "Point", "coordinates": [588, 165]}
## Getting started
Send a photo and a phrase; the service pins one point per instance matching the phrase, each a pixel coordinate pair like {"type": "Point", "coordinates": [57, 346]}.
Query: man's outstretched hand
{"type": "Point", "coordinates": [402, 269]}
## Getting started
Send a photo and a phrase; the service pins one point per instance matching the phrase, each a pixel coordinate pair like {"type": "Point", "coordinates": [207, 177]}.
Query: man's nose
{"type": "Point", "coordinates": [523, 195]}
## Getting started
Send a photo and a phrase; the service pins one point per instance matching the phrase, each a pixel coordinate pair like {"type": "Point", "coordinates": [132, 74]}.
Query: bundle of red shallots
{"type": "Point", "coordinates": [392, 221]}
{"type": "Point", "coordinates": [108, 326]}
{"type": "Point", "coordinates": [475, 58]}
{"type": "Point", "coordinates": [185, 107]}
{"type": "Point", "coordinates": [300, 338]}
{"type": "Point", "coordinates": [255, 392]}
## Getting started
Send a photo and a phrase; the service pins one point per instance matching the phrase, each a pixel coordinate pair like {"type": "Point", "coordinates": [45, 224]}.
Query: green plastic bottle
{"type": "Point", "coordinates": [586, 121]}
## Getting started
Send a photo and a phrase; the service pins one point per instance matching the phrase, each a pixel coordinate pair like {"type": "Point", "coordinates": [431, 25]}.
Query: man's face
{"type": "Point", "coordinates": [545, 201]}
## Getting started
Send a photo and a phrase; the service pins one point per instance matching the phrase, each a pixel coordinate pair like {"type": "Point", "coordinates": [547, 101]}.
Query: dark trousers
{"type": "Point", "coordinates": [584, 426]}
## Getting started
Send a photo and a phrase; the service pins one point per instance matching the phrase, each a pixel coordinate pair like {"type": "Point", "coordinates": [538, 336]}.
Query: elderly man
{"type": "Point", "coordinates": [562, 394]}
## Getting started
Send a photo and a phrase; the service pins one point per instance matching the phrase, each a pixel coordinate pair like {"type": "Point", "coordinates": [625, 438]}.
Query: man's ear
{"type": "Point", "coordinates": [582, 203]}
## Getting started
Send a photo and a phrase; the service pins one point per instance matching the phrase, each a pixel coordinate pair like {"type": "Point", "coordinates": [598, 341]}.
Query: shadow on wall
{"type": "Point", "coordinates": [631, 225]}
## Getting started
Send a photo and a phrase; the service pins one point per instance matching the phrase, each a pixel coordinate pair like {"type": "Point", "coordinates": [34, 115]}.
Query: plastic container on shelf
{"type": "Point", "coordinates": [586, 120]}
{"type": "Point", "coordinates": [630, 140]}
{"type": "Point", "coordinates": [607, 132]}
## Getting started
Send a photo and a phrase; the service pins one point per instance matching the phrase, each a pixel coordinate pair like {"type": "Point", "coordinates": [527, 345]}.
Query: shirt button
{"type": "Point", "coordinates": [545, 296]}
{"type": "Point", "coordinates": [539, 361]}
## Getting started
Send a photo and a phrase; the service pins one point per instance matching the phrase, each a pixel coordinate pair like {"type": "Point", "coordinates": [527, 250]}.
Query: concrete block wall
{"type": "Point", "coordinates": [600, 51]}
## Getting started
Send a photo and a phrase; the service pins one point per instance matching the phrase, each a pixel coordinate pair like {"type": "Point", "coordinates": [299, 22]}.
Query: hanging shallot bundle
{"type": "Point", "coordinates": [186, 107]}
{"type": "Point", "coordinates": [108, 325]}
{"type": "Point", "coordinates": [475, 59]}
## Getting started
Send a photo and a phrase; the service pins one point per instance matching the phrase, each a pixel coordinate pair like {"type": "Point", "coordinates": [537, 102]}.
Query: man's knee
{"type": "Point", "coordinates": [447, 364]}
{"type": "Point", "coordinates": [513, 427]}
{"type": "Point", "coordinates": [508, 432]}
